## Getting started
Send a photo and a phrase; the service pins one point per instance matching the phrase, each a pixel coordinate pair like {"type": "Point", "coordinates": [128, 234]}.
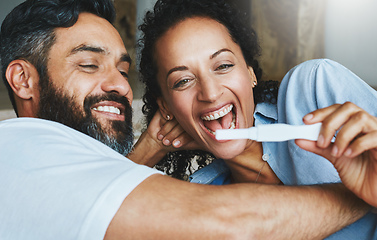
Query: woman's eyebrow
{"type": "Point", "coordinates": [174, 69]}
{"type": "Point", "coordinates": [184, 68]}
{"type": "Point", "coordinates": [220, 51]}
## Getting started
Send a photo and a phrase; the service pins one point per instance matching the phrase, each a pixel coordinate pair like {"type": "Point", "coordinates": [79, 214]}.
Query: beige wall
{"type": "Point", "coordinates": [290, 31]}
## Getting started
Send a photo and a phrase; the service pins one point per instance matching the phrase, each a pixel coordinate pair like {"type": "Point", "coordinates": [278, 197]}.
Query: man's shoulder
{"type": "Point", "coordinates": [49, 135]}
{"type": "Point", "coordinates": [35, 127]}
{"type": "Point", "coordinates": [31, 123]}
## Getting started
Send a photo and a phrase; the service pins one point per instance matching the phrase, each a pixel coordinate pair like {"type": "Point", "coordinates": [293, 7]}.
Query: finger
{"type": "Point", "coordinates": [171, 135]}
{"type": "Point", "coordinates": [166, 128]}
{"type": "Point", "coordinates": [311, 146]}
{"type": "Point", "coordinates": [320, 114]}
{"type": "Point", "coordinates": [359, 124]}
{"type": "Point", "coordinates": [334, 121]}
{"type": "Point", "coordinates": [155, 126]}
{"type": "Point", "coordinates": [362, 144]}
{"type": "Point", "coordinates": [182, 140]}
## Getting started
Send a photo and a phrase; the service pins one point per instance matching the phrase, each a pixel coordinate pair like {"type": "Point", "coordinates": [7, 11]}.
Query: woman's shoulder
{"type": "Point", "coordinates": [316, 73]}
{"type": "Point", "coordinates": [320, 83]}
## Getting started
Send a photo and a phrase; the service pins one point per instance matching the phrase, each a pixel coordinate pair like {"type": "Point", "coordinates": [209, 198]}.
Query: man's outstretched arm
{"type": "Point", "coordinates": [165, 208]}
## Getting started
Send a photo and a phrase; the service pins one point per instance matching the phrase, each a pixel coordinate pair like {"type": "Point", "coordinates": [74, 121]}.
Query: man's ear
{"type": "Point", "coordinates": [23, 78]}
{"type": "Point", "coordinates": [164, 109]}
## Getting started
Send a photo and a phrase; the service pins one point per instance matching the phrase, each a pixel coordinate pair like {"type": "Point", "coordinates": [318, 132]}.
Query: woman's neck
{"type": "Point", "coordinates": [249, 166]}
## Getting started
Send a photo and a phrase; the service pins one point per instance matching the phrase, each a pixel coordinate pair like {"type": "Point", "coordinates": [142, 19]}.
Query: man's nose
{"type": "Point", "coordinates": [210, 89]}
{"type": "Point", "coordinates": [115, 82]}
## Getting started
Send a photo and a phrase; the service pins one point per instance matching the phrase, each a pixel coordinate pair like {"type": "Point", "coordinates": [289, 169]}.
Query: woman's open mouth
{"type": "Point", "coordinates": [223, 118]}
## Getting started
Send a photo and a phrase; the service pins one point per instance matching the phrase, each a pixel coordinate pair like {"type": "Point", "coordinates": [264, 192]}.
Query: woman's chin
{"type": "Point", "coordinates": [230, 151]}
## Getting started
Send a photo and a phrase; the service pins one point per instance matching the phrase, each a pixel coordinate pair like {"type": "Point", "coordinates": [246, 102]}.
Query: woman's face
{"type": "Point", "coordinates": [205, 82]}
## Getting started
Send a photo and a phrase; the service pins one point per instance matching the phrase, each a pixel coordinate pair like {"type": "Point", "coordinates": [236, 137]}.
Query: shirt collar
{"type": "Point", "coordinates": [265, 113]}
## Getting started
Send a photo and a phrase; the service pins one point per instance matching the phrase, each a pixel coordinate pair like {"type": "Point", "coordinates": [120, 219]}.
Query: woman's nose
{"type": "Point", "coordinates": [210, 89]}
{"type": "Point", "coordinates": [115, 82]}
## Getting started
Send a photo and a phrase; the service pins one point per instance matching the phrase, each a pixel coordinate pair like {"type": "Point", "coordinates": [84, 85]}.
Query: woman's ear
{"type": "Point", "coordinates": [22, 78]}
{"type": "Point", "coordinates": [164, 110]}
{"type": "Point", "coordinates": [253, 78]}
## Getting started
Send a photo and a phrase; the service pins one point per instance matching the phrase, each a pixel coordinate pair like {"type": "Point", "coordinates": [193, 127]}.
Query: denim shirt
{"type": "Point", "coordinates": [309, 86]}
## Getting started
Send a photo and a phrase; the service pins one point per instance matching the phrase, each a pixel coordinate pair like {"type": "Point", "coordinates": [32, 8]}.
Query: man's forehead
{"type": "Point", "coordinates": [90, 34]}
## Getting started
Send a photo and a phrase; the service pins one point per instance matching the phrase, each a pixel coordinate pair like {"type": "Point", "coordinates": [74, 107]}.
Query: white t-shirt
{"type": "Point", "coordinates": [57, 183]}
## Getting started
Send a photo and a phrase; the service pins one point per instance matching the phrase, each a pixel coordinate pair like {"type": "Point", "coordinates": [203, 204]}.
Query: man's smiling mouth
{"type": "Point", "coordinates": [109, 109]}
{"type": "Point", "coordinates": [223, 118]}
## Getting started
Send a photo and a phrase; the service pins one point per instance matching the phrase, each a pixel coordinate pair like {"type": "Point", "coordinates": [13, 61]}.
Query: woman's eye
{"type": "Point", "coordinates": [224, 67]}
{"type": "Point", "coordinates": [182, 83]}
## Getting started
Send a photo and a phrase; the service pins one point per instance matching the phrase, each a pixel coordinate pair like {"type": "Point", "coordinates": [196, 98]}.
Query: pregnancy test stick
{"type": "Point", "coordinates": [272, 132]}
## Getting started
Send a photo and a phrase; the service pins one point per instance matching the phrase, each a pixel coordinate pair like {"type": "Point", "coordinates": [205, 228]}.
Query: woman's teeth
{"type": "Point", "coordinates": [232, 124]}
{"type": "Point", "coordinates": [217, 115]}
{"type": "Point", "coordinates": [109, 109]}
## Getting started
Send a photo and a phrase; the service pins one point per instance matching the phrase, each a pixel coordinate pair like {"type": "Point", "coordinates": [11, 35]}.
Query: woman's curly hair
{"type": "Point", "coordinates": [168, 13]}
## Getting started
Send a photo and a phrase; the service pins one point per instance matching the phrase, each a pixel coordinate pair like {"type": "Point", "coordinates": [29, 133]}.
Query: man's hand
{"type": "Point", "coordinates": [354, 151]}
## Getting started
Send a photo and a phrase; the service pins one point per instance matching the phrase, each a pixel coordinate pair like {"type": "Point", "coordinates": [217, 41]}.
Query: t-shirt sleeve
{"type": "Point", "coordinates": [59, 183]}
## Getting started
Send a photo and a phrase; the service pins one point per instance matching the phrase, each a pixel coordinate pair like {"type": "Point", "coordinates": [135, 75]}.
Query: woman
{"type": "Point", "coordinates": [199, 65]}
{"type": "Point", "coordinates": [252, 49]}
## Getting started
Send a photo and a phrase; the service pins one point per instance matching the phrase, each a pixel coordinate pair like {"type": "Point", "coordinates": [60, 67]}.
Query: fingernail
{"type": "Point", "coordinates": [160, 136]}
{"type": "Point", "coordinates": [334, 151]}
{"type": "Point", "coordinates": [166, 142]}
{"type": "Point", "coordinates": [348, 152]}
{"type": "Point", "coordinates": [176, 143]}
{"type": "Point", "coordinates": [308, 117]}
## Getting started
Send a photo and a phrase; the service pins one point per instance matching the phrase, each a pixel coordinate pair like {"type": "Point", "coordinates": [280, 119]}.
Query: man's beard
{"type": "Point", "coordinates": [56, 106]}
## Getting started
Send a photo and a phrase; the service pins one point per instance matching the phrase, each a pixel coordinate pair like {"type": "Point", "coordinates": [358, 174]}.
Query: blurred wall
{"type": "Point", "coordinates": [5, 7]}
{"type": "Point", "coordinates": [351, 36]}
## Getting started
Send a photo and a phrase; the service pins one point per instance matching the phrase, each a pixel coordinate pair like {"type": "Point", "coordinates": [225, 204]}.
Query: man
{"type": "Point", "coordinates": [66, 67]}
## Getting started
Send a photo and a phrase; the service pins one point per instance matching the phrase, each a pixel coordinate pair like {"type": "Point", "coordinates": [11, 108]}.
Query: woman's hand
{"type": "Point", "coordinates": [172, 134]}
{"type": "Point", "coordinates": [354, 151]}
{"type": "Point", "coordinates": [161, 137]}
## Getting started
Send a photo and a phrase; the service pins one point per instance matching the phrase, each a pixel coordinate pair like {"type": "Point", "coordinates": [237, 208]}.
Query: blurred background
{"type": "Point", "coordinates": [290, 32]}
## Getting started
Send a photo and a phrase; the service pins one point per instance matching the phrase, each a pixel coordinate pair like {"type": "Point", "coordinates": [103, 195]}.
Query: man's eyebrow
{"type": "Point", "coordinates": [88, 48]}
{"type": "Point", "coordinates": [220, 51]}
{"type": "Point", "coordinates": [126, 58]}
{"type": "Point", "coordinates": [179, 68]}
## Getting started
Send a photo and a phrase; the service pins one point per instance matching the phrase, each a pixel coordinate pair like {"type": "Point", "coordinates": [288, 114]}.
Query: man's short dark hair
{"type": "Point", "coordinates": [28, 31]}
